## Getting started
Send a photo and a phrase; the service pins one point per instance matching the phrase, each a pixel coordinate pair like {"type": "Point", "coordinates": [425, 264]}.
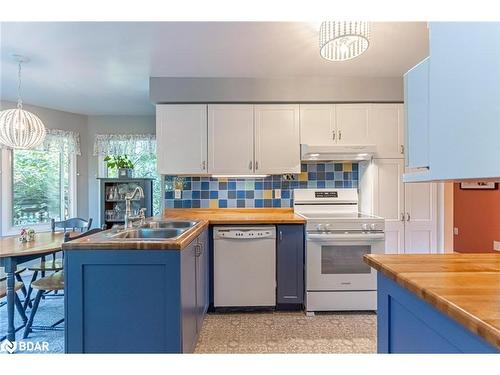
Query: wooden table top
{"type": "Point", "coordinates": [237, 215]}
{"type": "Point", "coordinates": [466, 287]}
{"type": "Point", "coordinates": [44, 243]}
{"type": "Point", "coordinates": [203, 216]}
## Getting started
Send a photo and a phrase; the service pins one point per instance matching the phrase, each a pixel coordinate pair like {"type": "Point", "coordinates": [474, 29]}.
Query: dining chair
{"type": "Point", "coordinates": [19, 306]}
{"type": "Point", "coordinates": [55, 265]}
{"type": "Point", "coordinates": [53, 282]}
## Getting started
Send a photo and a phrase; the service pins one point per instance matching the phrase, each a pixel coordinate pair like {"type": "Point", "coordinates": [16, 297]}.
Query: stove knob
{"type": "Point", "coordinates": [364, 226]}
{"type": "Point", "coordinates": [373, 226]}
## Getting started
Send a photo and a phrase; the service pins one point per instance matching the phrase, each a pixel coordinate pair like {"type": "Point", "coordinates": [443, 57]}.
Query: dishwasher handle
{"type": "Point", "coordinates": [245, 234]}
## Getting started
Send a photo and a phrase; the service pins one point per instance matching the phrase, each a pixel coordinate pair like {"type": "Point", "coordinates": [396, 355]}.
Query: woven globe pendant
{"type": "Point", "coordinates": [20, 129]}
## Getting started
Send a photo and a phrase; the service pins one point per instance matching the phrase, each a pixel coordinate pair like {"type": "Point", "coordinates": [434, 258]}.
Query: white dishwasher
{"type": "Point", "coordinates": [245, 266]}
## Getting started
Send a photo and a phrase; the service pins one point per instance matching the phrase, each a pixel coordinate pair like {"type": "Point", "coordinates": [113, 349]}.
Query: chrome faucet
{"type": "Point", "coordinates": [129, 219]}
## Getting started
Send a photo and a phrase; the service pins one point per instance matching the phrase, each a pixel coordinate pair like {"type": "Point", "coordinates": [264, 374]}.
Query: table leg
{"type": "Point", "coordinates": [10, 269]}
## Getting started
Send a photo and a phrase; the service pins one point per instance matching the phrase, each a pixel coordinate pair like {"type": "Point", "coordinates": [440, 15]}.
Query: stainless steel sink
{"type": "Point", "coordinates": [151, 234]}
{"type": "Point", "coordinates": [175, 224]}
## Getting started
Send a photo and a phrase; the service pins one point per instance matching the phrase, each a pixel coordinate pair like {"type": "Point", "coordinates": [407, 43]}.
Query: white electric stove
{"type": "Point", "coordinates": [337, 238]}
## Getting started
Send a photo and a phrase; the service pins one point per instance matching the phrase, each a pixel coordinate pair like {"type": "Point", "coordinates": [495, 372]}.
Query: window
{"type": "Point", "coordinates": [41, 183]}
{"type": "Point", "coordinates": [141, 149]}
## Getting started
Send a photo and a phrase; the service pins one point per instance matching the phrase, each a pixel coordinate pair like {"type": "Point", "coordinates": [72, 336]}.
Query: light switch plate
{"type": "Point", "coordinates": [277, 193]}
{"type": "Point", "coordinates": [496, 245]}
{"type": "Point", "coordinates": [455, 231]}
{"type": "Point", "coordinates": [177, 193]}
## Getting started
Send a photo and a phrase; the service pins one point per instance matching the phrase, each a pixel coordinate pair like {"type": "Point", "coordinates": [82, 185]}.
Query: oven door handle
{"type": "Point", "coordinates": [346, 237]}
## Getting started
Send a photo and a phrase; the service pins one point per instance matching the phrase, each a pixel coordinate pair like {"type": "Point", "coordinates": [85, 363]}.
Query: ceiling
{"type": "Point", "coordinates": [99, 68]}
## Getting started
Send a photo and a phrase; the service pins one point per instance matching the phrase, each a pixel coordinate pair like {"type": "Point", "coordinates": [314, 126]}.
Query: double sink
{"type": "Point", "coordinates": [155, 231]}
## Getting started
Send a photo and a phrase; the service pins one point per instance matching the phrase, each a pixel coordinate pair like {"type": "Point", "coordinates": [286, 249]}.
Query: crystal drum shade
{"type": "Point", "coordinates": [345, 40]}
{"type": "Point", "coordinates": [20, 129]}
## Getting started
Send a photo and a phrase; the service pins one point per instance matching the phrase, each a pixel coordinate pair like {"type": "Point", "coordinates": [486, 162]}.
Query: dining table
{"type": "Point", "coordinates": [14, 252]}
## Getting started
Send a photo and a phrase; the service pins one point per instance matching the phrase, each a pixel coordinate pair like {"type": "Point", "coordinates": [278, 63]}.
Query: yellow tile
{"type": "Point", "coordinates": [268, 194]}
{"type": "Point", "coordinates": [303, 176]}
{"type": "Point", "coordinates": [214, 203]}
{"type": "Point", "coordinates": [222, 179]}
{"type": "Point", "coordinates": [347, 167]}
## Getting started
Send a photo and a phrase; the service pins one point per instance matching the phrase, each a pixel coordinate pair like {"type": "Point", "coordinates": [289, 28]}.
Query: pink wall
{"type": "Point", "coordinates": [477, 217]}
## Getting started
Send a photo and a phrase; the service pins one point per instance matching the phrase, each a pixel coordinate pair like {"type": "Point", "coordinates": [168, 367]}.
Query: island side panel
{"type": "Point", "coordinates": [122, 301]}
{"type": "Point", "coordinates": [408, 324]}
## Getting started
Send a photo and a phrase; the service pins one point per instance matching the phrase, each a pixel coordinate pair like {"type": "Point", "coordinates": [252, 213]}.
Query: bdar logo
{"type": "Point", "coordinates": [8, 346]}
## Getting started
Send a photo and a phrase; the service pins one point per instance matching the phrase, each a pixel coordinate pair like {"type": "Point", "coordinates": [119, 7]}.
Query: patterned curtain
{"type": "Point", "coordinates": [124, 144]}
{"type": "Point", "coordinates": [61, 141]}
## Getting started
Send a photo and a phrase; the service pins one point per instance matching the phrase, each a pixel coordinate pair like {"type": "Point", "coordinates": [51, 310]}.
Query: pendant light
{"type": "Point", "coordinates": [20, 129]}
{"type": "Point", "coordinates": [344, 40]}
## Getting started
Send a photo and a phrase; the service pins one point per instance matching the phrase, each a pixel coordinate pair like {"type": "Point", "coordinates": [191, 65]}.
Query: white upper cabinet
{"type": "Point", "coordinates": [386, 130]}
{"type": "Point", "coordinates": [277, 139]}
{"type": "Point", "coordinates": [317, 124]}
{"type": "Point", "coordinates": [181, 136]}
{"type": "Point", "coordinates": [231, 139]}
{"type": "Point", "coordinates": [352, 123]}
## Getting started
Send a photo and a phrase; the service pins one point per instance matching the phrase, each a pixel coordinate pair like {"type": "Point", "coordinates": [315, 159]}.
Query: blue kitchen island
{"type": "Point", "coordinates": [437, 303]}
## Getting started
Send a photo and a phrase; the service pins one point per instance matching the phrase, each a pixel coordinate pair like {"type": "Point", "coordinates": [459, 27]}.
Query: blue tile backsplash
{"type": "Point", "coordinates": [209, 192]}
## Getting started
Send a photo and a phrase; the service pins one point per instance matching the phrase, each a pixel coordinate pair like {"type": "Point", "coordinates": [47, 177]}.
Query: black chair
{"type": "Point", "coordinates": [54, 282]}
{"type": "Point", "coordinates": [55, 265]}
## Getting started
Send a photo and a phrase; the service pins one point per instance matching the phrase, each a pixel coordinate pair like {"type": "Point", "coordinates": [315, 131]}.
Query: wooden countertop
{"type": "Point", "coordinates": [205, 217]}
{"type": "Point", "coordinates": [466, 287]}
{"type": "Point", "coordinates": [237, 215]}
{"type": "Point", "coordinates": [44, 243]}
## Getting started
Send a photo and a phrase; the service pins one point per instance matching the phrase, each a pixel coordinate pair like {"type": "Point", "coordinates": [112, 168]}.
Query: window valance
{"type": "Point", "coordinates": [124, 144]}
{"type": "Point", "coordinates": [62, 141]}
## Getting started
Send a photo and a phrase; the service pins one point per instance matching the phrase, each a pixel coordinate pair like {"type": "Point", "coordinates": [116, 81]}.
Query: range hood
{"type": "Point", "coordinates": [336, 152]}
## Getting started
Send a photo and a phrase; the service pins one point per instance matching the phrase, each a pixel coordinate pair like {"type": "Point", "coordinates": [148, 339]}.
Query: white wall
{"type": "Point", "coordinates": [109, 125]}
{"type": "Point", "coordinates": [53, 119]}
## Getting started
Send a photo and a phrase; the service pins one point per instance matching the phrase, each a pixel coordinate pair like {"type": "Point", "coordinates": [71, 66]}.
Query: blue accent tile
{"type": "Point", "coordinates": [231, 203]}
{"type": "Point", "coordinates": [240, 203]}
{"type": "Point", "coordinates": [205, 203]}
{"type": "Point", "coordinates": [231, 194]}
{"type": "Point", "coordinates": [355, 184]}
{"type": "Point", "coordinates": [312, 167]}
{"type": "Point", "coordinates": [204, 185]}
{"type": "Point", "coordinates": [268, 202]}
{"type": "Point", "coordinates": [347, 176]}
{"type": "Point", "coordinates": [249, 203]}
{"type": "Point", "coordinates": [329, 176]}
{"type": "Point", "coordinates": [223, 194]}
{"type": "Point", "coordinates": [303, 184]}
{"type": "Point", "coordinates": [177, 204]}
{"type": "Point", "coordinates": [169, 203]}
{"type": "Point", "coordinates": [338, 176]}
{"type": "Point", "coordinates": [258, 194]}
{"type": "Point", "coordinates": [339, 184]}
{"type": "Point", "coordinates": [196, 203]}
{"type": "Point", "coordinates": [330, 184]}
{"type": "Point", "coordinates": [355, 166]}
{"type": "Point", "coordinates": [355, 175]}
{"type": "Point", "coordinates": [195, 179]}
{"type": "Point", "coordinates": [186, 204]}
{"type": "Point", "coordinates": [186, 185]}
{"type": "Point", "coordinates": [337, 167]}
{"type": "Point", "coordinates": [187, 195]}
{"type": "Point", "coordinates": [240, 194]}
{"type": "Point", "coordinates": [231, 185]}
{"type": "Point", "coordinates": [329, 167]}
{"type": "Point", "coordinates": [259, 185]}
{"type": "Point", "coordinates": [276, 177]}
{"type": "Point", "coordinates": [276, 185]}
{"type": "Point", "coordinates": [196, 185]}
{"type": "Point", "coordinates": [222, 203]}
{"type": "Point", "coordinates": [214, 194]}
{"type": "Point", "coordinates": [259, 203]}
{"type": "Point", "coordinates": [303, 167]}
{"type": "Point", "coordinates": [268, 185]}
{"type": "Point", "coordinates": [311, 176]}
{"type": "Point", "coordinates": [320, 168]}
{"type": "Point", "coordinates": [249, 194]}
{"type": "Point", "coordinates": [205, 194]}
{"type": "Point", "coordinates": [320, 184]}
{"type": "Point", "coordinates": [320, 176]}
{"type": "Point", "coordinates": [214, 185]}
{"type": "Point", "coordinates": [312, 184]}
{"type": "Point", "coordinates": [285, 194]}
{"type": "Point", "coordinates": [222, 185]}
{"type": "Point", "coordinates": [276, 202]}
{"type": "Point", "coordinates": [348, 184]}
{"type": "Point", "coordinates": [196, 194]}
{"type": "Point", "coordinates": [169, 194]}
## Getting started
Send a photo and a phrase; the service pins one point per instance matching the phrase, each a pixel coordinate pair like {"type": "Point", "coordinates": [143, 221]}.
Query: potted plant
{"type": "Point", "coordinates": [124, 165]}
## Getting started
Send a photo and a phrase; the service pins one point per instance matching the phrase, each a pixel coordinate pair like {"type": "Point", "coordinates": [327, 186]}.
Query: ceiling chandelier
{"type": "Point", "coordinates": [20, 129]}
{"type": "Point", "coordinates": [344, 40]}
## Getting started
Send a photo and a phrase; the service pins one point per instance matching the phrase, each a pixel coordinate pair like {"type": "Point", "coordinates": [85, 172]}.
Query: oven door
{"type": "Point", "coordinates": [335, 260]}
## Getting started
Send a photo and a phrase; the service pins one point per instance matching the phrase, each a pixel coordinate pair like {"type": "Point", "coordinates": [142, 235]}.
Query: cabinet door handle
{"type": "Point", "coordinates": [333, 134]}
{"type": "Point", "coordinates": [402, 149]}
{"type": "Point", "coordinates": [340, 135]}
{"type": "Point", "coordinates": [250, 165]}
{"type": "Point", "coordinates": [256, 165]}
{"type": "Point", "coordinates": [281, 236]}
{"type": "Point", "coordinates": [408, 216]}
{"type": "Point", "coordinates": [402, 216]}
{"type": "Point", "coordinates": [203, 165]}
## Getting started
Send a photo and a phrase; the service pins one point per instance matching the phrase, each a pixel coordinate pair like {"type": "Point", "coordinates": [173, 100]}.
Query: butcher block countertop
{"type": "Point", "coordinates": [466, 287]}
{"type": "Point", "coordinates": [204, 217]}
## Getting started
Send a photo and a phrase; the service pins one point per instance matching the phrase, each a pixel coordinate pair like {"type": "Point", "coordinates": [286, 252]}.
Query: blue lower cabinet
{"type": "Point", "coordinates": [290, 266]}
{"type": "Point", "coordinates": [134, 301]}
{"type": "Point", "coordinates": [408, 324]}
